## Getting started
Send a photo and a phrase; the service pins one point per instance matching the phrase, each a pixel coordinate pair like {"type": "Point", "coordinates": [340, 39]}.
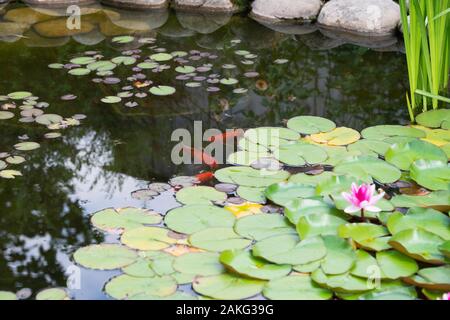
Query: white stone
{"type": "Point", "coordinates": [373, 17]}
{"type": "Point", "coordinates": [206, 5]}
{"type": "Point", "coordinates": [280, 10]}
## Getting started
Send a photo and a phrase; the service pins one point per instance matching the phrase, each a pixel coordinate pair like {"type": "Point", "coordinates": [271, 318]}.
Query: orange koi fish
{"type": "Point", "coordinates": [205, 176]}
{"type": "Point", "coordinates": [202, 156]}
{"type": "Point", "coordinates": [226, 136]}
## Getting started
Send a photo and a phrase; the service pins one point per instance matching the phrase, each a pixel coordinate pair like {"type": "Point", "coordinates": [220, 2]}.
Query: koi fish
{"type": "Point", "coordinates": [226, 136]}
{"type": "Point", "coordinates": [205, 176]}
{"type": "Point", "coordinates": [202, 156]}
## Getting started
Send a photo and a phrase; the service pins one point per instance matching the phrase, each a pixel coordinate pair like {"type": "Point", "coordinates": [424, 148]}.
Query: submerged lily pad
{"type": "Point", "coordinates": [244, 263]}
{"type": "Point", "coordinates": [296, 287]}
{"type": "Point", "coordinates": [104, 256]}
{"type": "Point", "coordinates": [228, 287]}
{"type": "Point", "coordinates": [192, 218]}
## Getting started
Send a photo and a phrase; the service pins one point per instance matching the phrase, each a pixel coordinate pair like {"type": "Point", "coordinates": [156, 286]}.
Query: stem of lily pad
{"type": "Point", "coordinates": [362, 214]}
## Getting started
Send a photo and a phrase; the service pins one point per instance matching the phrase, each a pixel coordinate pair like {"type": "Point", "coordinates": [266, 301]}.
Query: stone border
{"type": "Point", "coordinates": [135, 4]}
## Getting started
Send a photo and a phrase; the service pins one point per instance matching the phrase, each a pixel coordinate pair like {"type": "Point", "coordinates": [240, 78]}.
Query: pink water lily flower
{"type": "Point", "coordinates": [362, 198]}
{"type": "Point", "coordinates": [446, 296]}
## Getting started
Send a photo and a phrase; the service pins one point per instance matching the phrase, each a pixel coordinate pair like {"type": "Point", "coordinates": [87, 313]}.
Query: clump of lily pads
{"type": "Point", "coordinates": [339, 218]}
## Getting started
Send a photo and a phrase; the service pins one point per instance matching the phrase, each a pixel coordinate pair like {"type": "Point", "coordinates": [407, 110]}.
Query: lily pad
{"type": "Point", "coordinates": [312, 180]}
{"type": "Point", "coordinates": [79, 71]}
{"type": "Point", "coordinates": [19, 95]}
{"type": "Point", "coordinates": [147, 238]}
{"type": "Point", "coordinates": [435, 119]}
{"type": "Point", "coordinates": [27, 146]}
{"type": "Point", "coordinates": [159, 57]}
{"type": "Point", "coordinates": [126, 287]}
{"type": "Point", "coordinates": [310, 124]}
{"type": "Point", "coordinates": [9, 174]}
{"type": "Point", "coordinates": [192, 218]}
{"type": "Point", "coordinates": [229, 81]}
{"type": "Point", "coordinates": [369, 236]}
{"type": "Point", "coordinates": [162, 90]}
{"type": "Point", "coordinates": [185, 69]}
{"type": "Point", "coordinates": [251, 194]}
{"type": "Point", "coordinates": [244, 263]}
{"type": "Point", "coordinates": [218, 239]}
{"type": "Point", "coordinates": [5, 115]}
{"type": "Point", "coordinates": [396, 265]}
{"type": "Point", "coordinates": [300, 154]}
{"type": "Point", "coordinates": [111, 99]}
{"type": "Point", "coordinates": [298, 208]}
{"type": "Point", "coordinates": [340, 136]}
{"type": "Point", "coordinates": [199, 264]}
{"type": "Point", "coordinates": [104, 256]}
{"type": "Point", "coordinates": [402, 155]}
{"type": "Point", "coordinates": [283, 192]}
{"type": "Point", "coordinates": [122, 39]}
{"type": "Point", "coordinates": [228, 287]}
{"type": "Point", "coordinates": [431, 174]}
{"type": "Point", "coordinates": [48, 119]}
{"type": "Point", "coordinates": [271, 136]}
{"type": "Point", "coordinates": [296, 287]}
{"type": "Point", "coordinates": [288, 249]}
{"type": "Point", "coordinates": [382, 132]}
{"type": "Point", "coordinates": [340, 256]}
{"type": "Point", "coordinates": [7, 295]}
{"type": "Point", "coordinates": [341, 283]}
{"type": "Point", "coordinates": [246, 176]}
{"type": "Point", "coordinates": [367, 167]}
{"type": "Point", "coordinates": [52, 294]}
{"type": "Point", "coordinates": [262, 226]}
{"type": "Point", "coordinates": [436, 199]}
{"type": "Point", "coordinates": [124, 60]}
{"type": "Point", "coordinates": [112, 220]}
{"type": "Point", "coordinates": [318, 224]}
{"type": "Point", "coordinates": [200, 195]}
{"type": "Point", "coordinates": [82, 60]}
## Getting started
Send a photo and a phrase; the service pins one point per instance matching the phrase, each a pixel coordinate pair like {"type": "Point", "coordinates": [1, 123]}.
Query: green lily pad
{"type": "Point", "coordinates": [228, 81]}
{"type": "Point", "coordinates": [192, 218]}
{"type": "Point", "coordinates": [307, 267]}
{"type": "Point", "coordinates": [336, 184]}
{"type": "Point", "coordinates": [438, 275]}
{"type": "Point", "coordinates": [3, 164]}
{"type": "Point", "coordinates": [228, 287]}
{"type": "Point", "coordinates": [244, 263]}
{"type": "Point", "coordinates": [218, 239]}
{"type": "Point", "coordinates": [246, 176]}
{"type": "Point", "coordinates": [299, 154]}
{"type": "Point", "coordinates": [419, 244]}
{"type": "Point", "coordinates": [126, 287]}
{"type": "Point", "coordinates": [295, 287]}
{"type": "Point", "coordinates": [122, 39]}
{"type": "Point", "coordinates": [402, 155]}
{"type": "Point", "coordinates": [147, 238]}
{"type": "Point", "coordinates": [79, 71]}
{"type": "Point", "coordinates": [52, 294]}
{"type": "Point", "coordinates": [318, 224]}
{"type": "Point", "coordinates": [262, 226]}
{"type": "Point", "coordinates": [436, 199]}
{"type": "Point", "coordinates": [112, 220]}
{"type": "Point", "coordinates": [428, 219]}
{"type": "Point", "coordinates": [27, 146]}
{"type": "Point", "coordinates": [445, 248]}
{"type": "Point", "coordinates": [252, 194]}
{"type": "Point", "coordinates": [200, 195]}
{"type": "Point", "coordinates": [312, 180]}
{"type": "Point", "coordinates": [82, 60]}
{"type": "Point", "coordinates": [147, 65]}
{"type": "Point", "coordinates": [159, 57]}
{"type": "Point", "coordinates": [185, 69]}
{"type": "Point", "coordinates": [5, 115]}
{"type": "Point", "coordinates": [369, 236]}
{"type": "Point", "coordinates": [340, 256]}
{"type": "Point", "coordinates": [283, 192]}
{"type": "Point", "coordinates": [382, 132]}
{"type": "Point", "coordinates": [48, 119]}
{"type": "Point", "coordinates": [199, 264]}
{"type": "Point", "coordinates": [151, 263]}
{"type": "Point", "coordinates": [396, 265]}
{"type": "Point", "coordinates": [310, 124]}
{"type": "Point", "coordinates": [56, 66]}
{"type": "Point", "coordinates": [369, 147]}
{"type": "Point", "coordinates": [9, 174]}
{"type": "Point", "coordinates": [288, 249]}
{"type": "Point", "coordinates": [368, 167]}
{"type": "Point", "coordinates": [162, 90]}
{"type": "Point", "coordinates": [245, 158]}
{"type": "Point", "coordinates": [19, 95]}
{"type": "Point", "coordinates": [104, 256]}
{"type": "Point", "coordinates": [435, 119]}
{"type": "Point", "coordinates": [271, 136]}
{"type": "Point", "coordinates": [340, 136]}
{"type": "Point", "coordinates": [364, 265]}
{"type": "Point", "coordinates": [298, 208]}
{"type": "Point", "coordinates": [14, 160]}
{"type": "Point", "coordinates": [431, 174]}
{"type": "Point", "coordinates": [111, 99]}
{"type": "Point", "coordinates": [7, 295]}
{"type": "Point", "coordinates": [341, 283]}
{"type": "Point", "coordinates": [101, 66]}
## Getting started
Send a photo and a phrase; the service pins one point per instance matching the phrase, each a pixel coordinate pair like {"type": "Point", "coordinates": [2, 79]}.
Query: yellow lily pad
{"type": "Point", "coordinates": [244, 209]}
{"type": "Point", "coordinates": [340, 136]}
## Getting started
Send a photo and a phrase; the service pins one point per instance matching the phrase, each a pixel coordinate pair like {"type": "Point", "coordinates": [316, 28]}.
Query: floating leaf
{"type": "Point", "coordinates": [162, 90]}
{"type": "Point", "coordinates": [52, 294]}
{"type": "Point", "coordinates": [344, 282]}
{"type": "Point", "coordinates": [283, 192]}
{"type": "Point", "coordinates": [229, 81]}
{"type": "Point", "coordinates": [244, 209]}
{"type": "Point", "coordinates": [124, 60]}
{"type": "Point", "coordinates": [395, 265]}
{"type": "Point", "coordinates": [122, 39]}
{"type": "Point", "coordinates": [298, 208]}
{"type": "Point", "coordinates": [199, 264]}
{"type": "Point", "coordinates": [161, 57]}
{"type": "Point", "coordinates": [382, 132]}
{"type": "Point", "coordinates": [271, 136]}
{"type": "Point", "coordinates": [126, 287]}
{"type": "Point", "coordinates": [318, 224]}
{"type": "Point", "coordinates": [185, 69]}
{"type": "Point", "coordinates": [340, 256]}
{"type": "Point", "coordinates": [295, 287]}
{"type": "Point", "coordinates": [124, 219]}
{"type": "Point", "coordinates": [82, 60]}
{"type": "Point", "coordinates": [14, 160]}
{"type": "Point", "coordinates": [5, 115]}
{"type": "Point", "coordinates": [200, 195]}
{"type": "Point", "coordinates": [245, 176]}
{"type": "Point", "coordinates": [437, 200]}
{"type": "Point", "coordinates": [310, 124]}
{"type": "Point", "coordinates": [228, 287]}
{"type": "Point", "coordinates": [340, 136]}
{"type": "Point", "coordinates": [218, 239]}
{"type": "Point", "coordinates": [7, 295]}
{"type": "Point", "coordinates": [300, 154]}
{"type": "Point", "coordinates": [369, 147]}
{"type": "Point", "coordinates": [312, 180]}
{"type": "Point", "coordinates": [10, 174]}
{"type": "Point", "coordinates": [367, 235]}
{"type": "Point", "coordinates": [27, 146]}
{"type": "Point", "coordinates": [368, 167]}
{"type": "Point", "coordinates": [431, 174]}
{"type": "Point", "coordinates": [111, 99]}
{"type": "Point", "coordinates": [19, 95]}
{"type": "Point", "coordinates": [147, 238]}
{"type": "Point", "coordinates": [262, 226]}
{"type": "Point", "coordinates": [251, 194]}
{"type": "Point", "coordinates": [288, 249]}
{"type": "Point", "coordinates": [402, 155]}
{"type": "Point", "coordinates": [435, 119]}
{"type": "Point", "coordinates": [104, 256]}
{"type": "Point", "coordinates": [79, 71]}
{"type": "Point", "coordinates": [192, 218]}
{"type": "Point", "coordinates": [48, 119]}
{"type": "Point", "coordinates": [243, 263]}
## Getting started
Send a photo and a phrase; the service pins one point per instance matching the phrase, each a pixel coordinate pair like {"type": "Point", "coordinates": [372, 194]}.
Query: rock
{"type": "Point", "coordinates": [201, 22]}
{"type": "Point", "coordinates": [282, 10]}
{"type": "Point", "coordinates": [58, 3]}
{"type": "Point", "coordinates": [138, 4]}
{"type": "Point", "coordinates": [11, 31]}
{"type": "Point", "coordinates": [58, 28]}
{"type": "Point", "coordinates": [209, 5]}
{"type": "Point", "coordinates": [25, 15]}
{"type": "Point", "coordinates": [370, 17]}
{"type": "Point", "coordinates": [32, 39]}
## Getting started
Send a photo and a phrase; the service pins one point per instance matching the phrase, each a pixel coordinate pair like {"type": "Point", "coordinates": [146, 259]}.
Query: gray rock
{"type": "Point", "coordinates": [281, 10]}
{"type": "Point", "coordinates": [58, 3]}
{"type": "Point", "coordinates": [137, 4]}
{"type": "Point", "coordinates": [371, 17]}
{"type": "Point", "coordinates": [207, 5]}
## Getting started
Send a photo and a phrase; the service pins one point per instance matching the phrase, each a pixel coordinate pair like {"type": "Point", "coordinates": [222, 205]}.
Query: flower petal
{"type": "Point", "coordinates": [376, 198]}
{"type": "Point", "coordinates": [372, 208]}
{"type": "Point", "coordinates": [352, 209]}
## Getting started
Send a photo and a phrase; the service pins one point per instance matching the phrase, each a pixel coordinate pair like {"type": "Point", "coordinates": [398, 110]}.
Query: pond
{"type": "Point", "coordinates": [118, 148]}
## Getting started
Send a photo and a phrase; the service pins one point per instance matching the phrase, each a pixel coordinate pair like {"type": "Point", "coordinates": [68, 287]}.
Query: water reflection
{"type": "Point", "coordinates": [44, 215]}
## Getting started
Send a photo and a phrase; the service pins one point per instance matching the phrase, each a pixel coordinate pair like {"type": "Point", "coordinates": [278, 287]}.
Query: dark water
{"type": "Point", "coordinates": [44, 215]}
